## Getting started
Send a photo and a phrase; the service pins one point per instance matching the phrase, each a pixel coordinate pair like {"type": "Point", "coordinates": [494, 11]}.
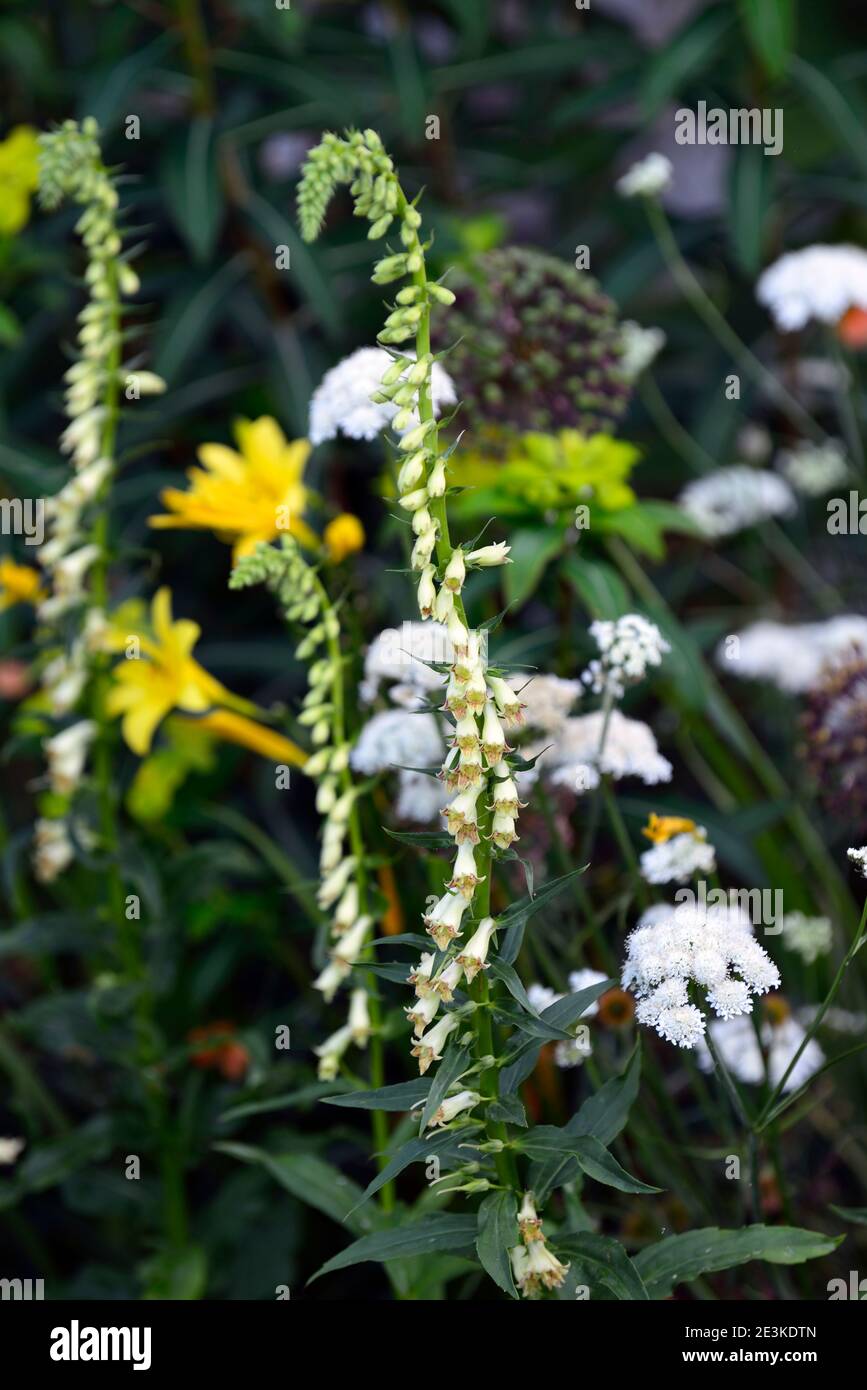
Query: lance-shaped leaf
{"type": "Point", "coordinates": [414, 1149]}
{"type": "Point", "coordinates": [453, 1065]}
{"type": "Point", "coordinates": [547, 1141]}
{"type": "Point", "coordinates": [604, 1261]}
{"type": "Point", "coordinates": [603, 1115]}
{"type": "Point", "coordinates": [403, 1096]}
{"type": "Point", "coordinates": [678, 1259]}
{"type": "Point", "coordinates": [441, 1232]}
{"type": "Point", "coordinates": [498, 1232]}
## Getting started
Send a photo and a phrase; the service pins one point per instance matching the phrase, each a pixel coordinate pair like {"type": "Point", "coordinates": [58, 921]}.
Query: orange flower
{"type": "Point", "coordinates": [852, 329]}
{"type": "Point", "coordinates": [230, 1058]}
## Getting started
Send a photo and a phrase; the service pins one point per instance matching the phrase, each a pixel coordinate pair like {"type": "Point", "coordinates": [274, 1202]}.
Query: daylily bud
{"type": "Point", "coordinates": [475, 953]}
{"type": "Point", "coordinates": [454, 1106]}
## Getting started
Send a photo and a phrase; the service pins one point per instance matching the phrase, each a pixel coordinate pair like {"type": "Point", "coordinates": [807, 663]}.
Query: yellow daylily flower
{"type": "Point", "coordinates": [164, 676]}
{"type": "Point", "coordinates": [245, 497]}
{"type": "Point", "coordinates": [19, 584]}
{"type": "Point", "coordinates": [343, 536]}
{"type": "Point", "coordinates": [19, 177]}
{"type": "Point", "coordinates": [659, 829]}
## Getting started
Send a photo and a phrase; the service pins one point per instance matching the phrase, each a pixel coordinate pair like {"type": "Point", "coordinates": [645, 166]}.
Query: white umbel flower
{"type": "Point", "coordinates": [398, 737]}
{"type": "Point", "coordinates": [712, 949]}
{"type": "Point", "coordinates": [814, 469]}
{"type": "Point", "coordinates": [639, 348]}
{"type": "Point", "coordinates": [548, 701]}
{"type": "Point", "coordinates": [629, 750]}
{"type": "Point", "coordinates": [731, 499]}
{"type": "Point", "coordinates": [808, 937]}
{"type": "Point", "coordinates": [818, 282]}
{"type": "Point", "coordinates": [792, 657]}
{"type": "Point", "coordinates": [398, 658]}
{"type": "Point", "coordinates": [646, 179]}
{"type": "Point", "coordinates": [628, 647]}
{"type": "Point", "coordinates": [342, 402]}
{"type": "Point", "coordinates": [679, 858]}
{"type": "Point", "coordinates": [859, 859]}
{"type": "Point", "coordinates": [735, 1040]}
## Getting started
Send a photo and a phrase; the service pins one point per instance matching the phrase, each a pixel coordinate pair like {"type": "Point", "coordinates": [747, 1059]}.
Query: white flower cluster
{"type": "Point", "coordinates": [814, 469]}
{"type": "Point", "coordinates": [731, 499]}
{"type": "Point", "coordinates": [859, 859]}
{"type": "Point", "coordinates": [628, 647]}
{"type": "Point", "coordinates": [712, 949]}
{"type": "Point", "coordinates": [735, 1040]}
{"type": "Point", "coordinates": [348, 400]}
{"type": "Point", "coordinates": [578, 755]}
{"type": "Point", "coordinates": [568, 1054]}
{"type": "Point", "coordinates": [818, 282]}
{"type": "Point", "coordinates": [400, 659]}
{"type": "Point", "coordinates": [808, 937]}
{"type": "Point", "coordinates": [793, 657]}
{"type": "Point", "coordinates": [403, 739]}
{"type": "Point", "coordinates": [547, 702]}
{"type": "Point", "coordinates": [679, 858]}
{"type": "Point", "coordinates": [71, 167]}
{"type": "Point", "coordinates": [640, 347]}
{"type": "Point", "coordinates": [646, 179]}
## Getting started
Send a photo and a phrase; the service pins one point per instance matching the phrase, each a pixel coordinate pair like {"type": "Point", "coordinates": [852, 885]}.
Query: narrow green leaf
{"type": "Point", "coordinates": [453, 1065]}
{"type": "Point", "coordinates": [498, 1232]}
{"type": "Point", "coordinates": [605, 1261]}
{"type": "Point", "coordinates": [858, 1215]}
{"type": "Point", "coordinates": [595, 1160]}
{"type": "Point", "coordinates": [410, 1152]}
{"type": "Point", "coordinates": [316, 1183]}
{"type": "Point", "coordinates": [402, 1096]}
{"type": "Point", "coordinates": [515, 918]}
{"type": "Point", "coordinates": [440, 1232]}
{"type": "Point", "coordinates": [770, 28]}
{"type": "Point", "coordinates": [678, 1259]}
{"type": "Point", "coordinates": [598, 585]}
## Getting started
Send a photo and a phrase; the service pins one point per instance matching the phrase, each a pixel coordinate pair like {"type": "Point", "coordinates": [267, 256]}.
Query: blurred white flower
{"type": "Point", "coordinates": [66, 754]}
{"type": "Point", "coordinates": [792, 657]}
{"type": "Point", "coordinates": [646, 179]}
{"type": "Point", "coordinates": [859, 859]}
{"type": "Point", "coordinates": [814, 469]}
{"type": "Point", "coordinates": [627, 647]}
{"type": "Point", "coordinates": [10, 1149]}
{"type": "Point", "coordinates": [398, 657]}
{"type": "Point", "coordinates": [808, 937]}
{"type": "Point", "coordinates": [677, 859]}
{"type": "Point", "coordinates": [735, 1040]}
{"type": "Point", "coordinates": [547, 702]}
{"type": "Point", "coordinates": [398, 738]}
{"type": "Point", "coordinates": [342, 401]}
{"type": "Point", "coordinates": [53, 851]}
{"type": "Point", "coordinates": [818, 282]}
{"type": "Point", "coordinates": [640, 347]}
{"type": "Point", "coordinates": [731, 499]}
{"type": "Point", "coordinates": [574, 760]}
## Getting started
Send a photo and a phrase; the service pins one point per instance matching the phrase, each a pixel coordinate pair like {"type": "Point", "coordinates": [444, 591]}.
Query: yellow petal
{"type": "Point", "coordinates": [234, 728]}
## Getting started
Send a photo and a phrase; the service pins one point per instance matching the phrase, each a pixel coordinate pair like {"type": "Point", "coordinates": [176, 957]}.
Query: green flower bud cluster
{"type": "Point", "coordinates": [359, 160]}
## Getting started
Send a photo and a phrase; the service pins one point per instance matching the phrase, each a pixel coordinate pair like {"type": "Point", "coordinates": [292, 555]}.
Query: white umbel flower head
{"type": "Point", "coordinates": [398, 737]}
{"type": "Point", "coordinates": [710, 949]}
{"type": "Point", "coordinates": [792, 656]}
{"type": "Point", "coordinates": [548, 701]}
{"type": "Point", "coordinates": [628, 647]}
{"type": "Point", "coordinates": [735, 1040]}
{"type": "Point", "coordinates": [731, 499]}
{"type": "Point", "coordinates": [342, 402]}
{"type": "Point", "coordinates": [808, 937]}
{"type": "Point", "coordinates": [646, 179]}
{"type": "Point", "coordinates": [398, 658]}
{"type": "Point", "coordinates": [814, 469]}
{"type": "Point", "coordinates": [859, 859]}
{"type": "Point", "coordinates": [818, 282]}
{"type": "Point", "coordinates": [629, 750]}
{"type": "Point", "coordinates": [639, 348]}
{"type": "Point", "coordinates": [679, 858]}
